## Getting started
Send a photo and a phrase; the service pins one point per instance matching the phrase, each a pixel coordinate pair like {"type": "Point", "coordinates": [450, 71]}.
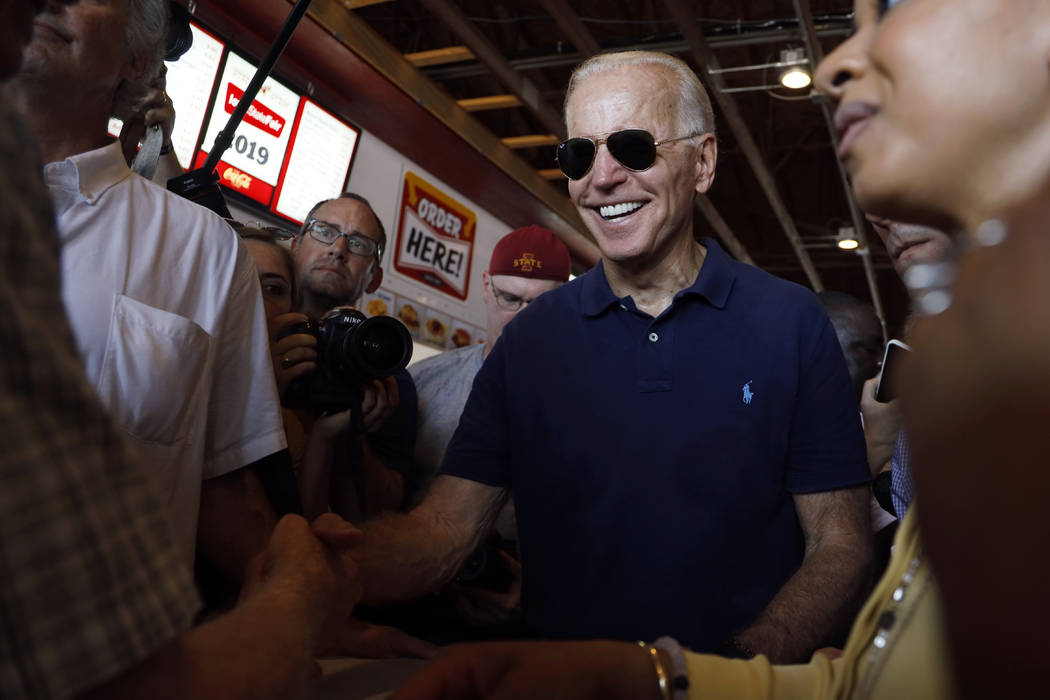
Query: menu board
{"type": "Point", "coordinates": [253, 162]}
{"type": "Point", "coordinates": [189, 85]}
{"type": "Point", "coordinates": [319, 158]}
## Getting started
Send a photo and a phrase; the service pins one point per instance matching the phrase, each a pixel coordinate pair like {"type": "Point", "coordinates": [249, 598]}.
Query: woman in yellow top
{"type": "Point", "coordinates": [943, 108]}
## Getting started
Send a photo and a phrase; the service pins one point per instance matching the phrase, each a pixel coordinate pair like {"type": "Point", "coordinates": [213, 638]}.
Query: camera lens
{"type": "Point", "coordinates": [381, 346]}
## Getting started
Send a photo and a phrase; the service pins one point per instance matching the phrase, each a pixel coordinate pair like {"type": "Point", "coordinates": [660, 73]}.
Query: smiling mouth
{"type": "Point", "coordinates": [615, 212]}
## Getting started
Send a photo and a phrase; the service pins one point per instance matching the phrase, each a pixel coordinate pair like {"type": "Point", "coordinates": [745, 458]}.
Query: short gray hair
{"type": "Point", "coordinates": [693, 112]}
{"type": "Point", "coordinates": [357, 198]}
{"type": "Point", "coordinates": [145, 36]}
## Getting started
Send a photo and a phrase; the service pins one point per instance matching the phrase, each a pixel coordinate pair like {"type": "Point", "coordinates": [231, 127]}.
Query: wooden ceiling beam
{"type": "Point", "coordinates": [571, 26]}
{"type": "Point", "coordinates": [354, 4]}
{"type": "Point", "coordinates": [551, 174]}
{"type": "Point", "coordinates": [683, 14]}
{"type": "Point", "coordinates": [489, 55]}
{"type": "Point", "coordinates": [531, 141]}
{"type": "Point", "coordinates": [481, 104]}
{"type": "Point", "coordinates": [440, 57]}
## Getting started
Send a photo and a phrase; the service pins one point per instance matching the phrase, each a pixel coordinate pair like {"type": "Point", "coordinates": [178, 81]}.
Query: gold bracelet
{"type": "Point", "coordinates": [661, 673]}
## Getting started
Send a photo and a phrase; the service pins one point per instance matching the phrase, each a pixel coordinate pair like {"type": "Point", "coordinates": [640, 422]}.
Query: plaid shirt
{"type": "Point", "coordinates": [90, 581]}
{"type": "Point", "coordinates": [901, 489]}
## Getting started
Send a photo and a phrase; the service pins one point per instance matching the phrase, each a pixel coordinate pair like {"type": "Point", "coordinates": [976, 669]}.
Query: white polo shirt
{"type": "Point", "coordinates": [165, 306]}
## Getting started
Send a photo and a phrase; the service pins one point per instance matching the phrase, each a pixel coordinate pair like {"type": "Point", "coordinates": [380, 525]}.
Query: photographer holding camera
{"type": "Point", "coordinates": [337, 255]}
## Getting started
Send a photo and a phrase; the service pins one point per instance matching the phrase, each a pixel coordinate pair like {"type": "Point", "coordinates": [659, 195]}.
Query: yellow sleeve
{"type": "Point", "coordinates": [716, 678]}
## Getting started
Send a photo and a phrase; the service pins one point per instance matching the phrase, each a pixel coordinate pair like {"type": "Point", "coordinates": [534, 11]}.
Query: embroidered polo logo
{"type": "Point", "coordinates": [748, 394]}
{"type": "Point", "coordinates": [528, 262]}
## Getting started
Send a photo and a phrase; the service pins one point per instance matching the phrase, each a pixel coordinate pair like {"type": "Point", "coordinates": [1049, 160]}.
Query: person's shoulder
{"type": "Point", "coordinates": [443, 362]}
{"type": "Point", "coordinates": [192, 217]}
{"type": "Point", "coordinates": [775, 293]}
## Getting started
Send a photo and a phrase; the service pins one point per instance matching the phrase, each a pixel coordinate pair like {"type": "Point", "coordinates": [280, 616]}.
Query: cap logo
{"type": "Point", "coordinates": [528, 262]}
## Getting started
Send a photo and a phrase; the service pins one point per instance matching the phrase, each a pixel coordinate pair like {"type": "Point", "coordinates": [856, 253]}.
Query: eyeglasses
{"type": "Point", "coordinates": [634, 149]}
{"type": "Point", "coordinates": [356, 243]}
{"type": "Point", "coordinates": [508, 301]}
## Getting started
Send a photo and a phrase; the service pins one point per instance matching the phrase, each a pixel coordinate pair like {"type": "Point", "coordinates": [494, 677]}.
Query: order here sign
{"type": "Point", "coordinates": [435, 238]}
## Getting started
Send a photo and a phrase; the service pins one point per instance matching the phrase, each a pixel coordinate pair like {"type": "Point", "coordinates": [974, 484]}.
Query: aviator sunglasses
{"type": "Point", "coordinates": [634, 149]}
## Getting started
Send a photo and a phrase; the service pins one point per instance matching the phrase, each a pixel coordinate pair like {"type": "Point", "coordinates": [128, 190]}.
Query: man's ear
{"type": "Point", "coordinates": [377, 279]}
{"type": "Point", "coordinates": [706, 158]}
{"type": "Point", "coordinates": [485, 289]}
{"type": "Point", "coordinates": [134, 68]}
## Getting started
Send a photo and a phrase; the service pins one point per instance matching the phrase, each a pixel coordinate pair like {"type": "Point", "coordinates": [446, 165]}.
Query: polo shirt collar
{"type": "Point", "coordinates": [713, 284]}
{"type": "Point", "coordinates": [90, 174]}
{"type": "Point", "coordinates": [715, 281]}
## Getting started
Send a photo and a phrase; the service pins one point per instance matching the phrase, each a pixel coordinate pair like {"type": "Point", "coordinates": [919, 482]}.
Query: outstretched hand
{"type": "Point", "coordinates": [312, 559]}
{"type": "Point", "coordinates": [520, 670]}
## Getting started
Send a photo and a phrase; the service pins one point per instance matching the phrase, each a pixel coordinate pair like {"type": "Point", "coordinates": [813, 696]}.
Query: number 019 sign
{"type": "Point", "coordinates": [252, 164]}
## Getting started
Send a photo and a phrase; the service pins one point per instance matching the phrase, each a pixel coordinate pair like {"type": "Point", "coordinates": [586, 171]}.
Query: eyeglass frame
{"type": "Point", "coordinates": [308, 229]}
{"type": "Point", "coordinates": [500, 294]}
{"type": "Point", "coordinates": [598, 142]}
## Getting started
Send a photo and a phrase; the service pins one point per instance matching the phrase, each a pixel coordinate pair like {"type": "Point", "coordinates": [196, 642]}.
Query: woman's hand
{"type": "Point", "coordinates": [293, 356]}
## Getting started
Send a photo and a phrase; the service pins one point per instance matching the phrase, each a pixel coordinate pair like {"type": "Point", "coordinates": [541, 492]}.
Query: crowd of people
{"type": "Point", "coordinates": [673, 447]}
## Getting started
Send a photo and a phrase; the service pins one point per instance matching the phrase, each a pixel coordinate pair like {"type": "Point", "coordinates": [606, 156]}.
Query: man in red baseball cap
{"type": "Point", "coordinates": [525, 263]}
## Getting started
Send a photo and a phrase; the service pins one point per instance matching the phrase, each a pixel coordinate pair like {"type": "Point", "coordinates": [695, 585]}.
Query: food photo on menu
{"type": "Point", "coordinates": [461, 335]}
{"type": "Point", "coordinates": [408, 315]}
{"type": "Point", "coordinates": [435, 328]}
{"type": "Point", "coordinates": [378, 303]}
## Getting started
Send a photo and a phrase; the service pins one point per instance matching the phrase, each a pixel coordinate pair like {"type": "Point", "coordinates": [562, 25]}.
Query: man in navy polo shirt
{"type": "Point", "coordinates": [678, 429]}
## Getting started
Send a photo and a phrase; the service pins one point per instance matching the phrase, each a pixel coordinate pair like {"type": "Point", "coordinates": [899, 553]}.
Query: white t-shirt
{"type": "Point", "coordinates": [165, 306]}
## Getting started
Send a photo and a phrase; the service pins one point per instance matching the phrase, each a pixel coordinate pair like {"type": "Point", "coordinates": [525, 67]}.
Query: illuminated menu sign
{"type": "Point", "coordinates": [189, 85]}
{"type": "Point", "coordinates": [435, 238]}
{"type": "Point", "coordinates": [321, 151]}
{"type": "Point", "coordinates": [252, 164]}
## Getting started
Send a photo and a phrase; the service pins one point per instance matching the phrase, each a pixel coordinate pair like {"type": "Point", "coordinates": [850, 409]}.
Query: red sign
{"type": "Point", "coordinates": [239, 181]}
{"type": "Point", "coordinates": [259, 115]}
{"type": "Point", "coordinates": [435, 238]}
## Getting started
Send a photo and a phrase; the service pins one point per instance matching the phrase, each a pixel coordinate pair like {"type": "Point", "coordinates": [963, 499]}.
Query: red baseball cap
{"type": "Point", "coordinates": [532, 252]}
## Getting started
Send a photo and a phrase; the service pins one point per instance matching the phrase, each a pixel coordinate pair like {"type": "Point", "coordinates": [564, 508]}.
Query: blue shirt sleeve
{"type": "Point", "coordinates": [480, 449]}
{"type": "Point", "coordinates": [826, 449]}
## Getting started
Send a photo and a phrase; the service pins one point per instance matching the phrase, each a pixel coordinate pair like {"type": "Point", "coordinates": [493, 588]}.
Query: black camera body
{"type": "Point", "coordinates": [351, 349]}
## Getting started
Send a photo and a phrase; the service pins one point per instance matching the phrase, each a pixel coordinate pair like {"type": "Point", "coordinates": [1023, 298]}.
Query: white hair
{"type": "Point", "coordinates": [691, 110]}
{"type": "Point", "coordinates": [145, 36]}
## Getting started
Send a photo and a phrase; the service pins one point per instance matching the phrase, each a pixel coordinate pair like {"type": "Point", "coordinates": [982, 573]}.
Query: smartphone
{"type": "Point", "coordinates": [891, 360]}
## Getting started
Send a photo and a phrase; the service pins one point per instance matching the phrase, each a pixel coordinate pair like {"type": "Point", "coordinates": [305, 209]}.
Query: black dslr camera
{"type": "Point", "coordinates": [351, 350]}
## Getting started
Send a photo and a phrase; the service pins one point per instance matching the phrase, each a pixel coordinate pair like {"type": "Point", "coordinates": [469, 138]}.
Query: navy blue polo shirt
{"type": "Point", "coordinates": [653, 461]}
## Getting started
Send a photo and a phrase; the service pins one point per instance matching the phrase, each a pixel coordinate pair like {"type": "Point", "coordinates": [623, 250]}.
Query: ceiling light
{"type": "Point", "coordinates": [794, 75]}
{"type": "Point", "coordinates": [847, 239]}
